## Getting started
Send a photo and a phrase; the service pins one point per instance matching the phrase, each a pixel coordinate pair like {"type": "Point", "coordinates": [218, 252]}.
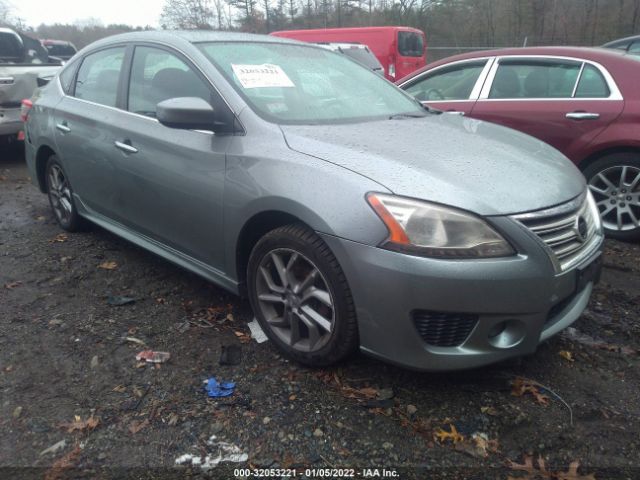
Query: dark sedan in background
{"type": "Point", "coordinates": [583, 101]}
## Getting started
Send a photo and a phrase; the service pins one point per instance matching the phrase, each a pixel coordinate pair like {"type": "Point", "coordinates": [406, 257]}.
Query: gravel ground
{"type": "Point", "coordinates": [69, 378]}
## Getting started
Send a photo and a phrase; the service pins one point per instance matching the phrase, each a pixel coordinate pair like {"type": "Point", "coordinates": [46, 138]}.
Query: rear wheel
{"type": "Point", "coordinates": [614, 181]}
{"type": "Point", "coordinates": [61, 197]}
{"type": "Point", "coordinates": [300, 296]}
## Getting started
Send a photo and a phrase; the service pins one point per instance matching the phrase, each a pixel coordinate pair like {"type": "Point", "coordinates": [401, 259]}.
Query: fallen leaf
{"type": "Point", "coordinates": [521, 386]}
{"type": "Point", "coordinates": [292, 398]}
{"type": "Point", "coordinates": [67, 461]}
{"type": "Point", "coordinates": [120, 389]}
{"type": "Point", "coordinates": [40, 218]}
{"type": "Point", "coordinates": [173, 419]}
{"type": "Point", "coordinates": [567, 355]}
{"type": "Point", "coordinates": [12, 285]}
{"type": "Point", "coordinates": [541, 472]}
{"type": "Point", "coordinates": [138, 425]}
{"type": "Point", "coordinates": [572, 473]}
{"type": "Point", "coordinates": [489, 411]}
{"type": "Point", "coordinates": [61, 237]}
{"type": "Point", "coordinates": [81, 425]}
{"type": "Point", "coordinates": [137, 392]}
{"type": "Point", "coordinates": [442, 435]}
{"type": "Point", "coordinates": [108, 265]}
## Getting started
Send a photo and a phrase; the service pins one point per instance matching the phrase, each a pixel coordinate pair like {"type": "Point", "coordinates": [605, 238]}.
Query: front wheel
{"type": "Point", "coordinates": [300, 296]}
{"type": "Point", "coordinates": [614, 181]}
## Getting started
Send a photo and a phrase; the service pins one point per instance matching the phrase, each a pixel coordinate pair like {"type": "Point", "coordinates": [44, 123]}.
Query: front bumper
{"type": "Point", "coordinates": [523, 294]}
{"type": "Point", "coordinates": [10, 123]}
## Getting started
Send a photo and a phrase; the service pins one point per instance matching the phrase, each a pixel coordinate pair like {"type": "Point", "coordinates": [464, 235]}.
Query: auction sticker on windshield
{"type": "Point", "coordinates": [261, 76]}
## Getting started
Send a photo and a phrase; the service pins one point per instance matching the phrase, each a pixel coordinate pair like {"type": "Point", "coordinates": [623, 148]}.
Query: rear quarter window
{"type": "Point", "coordinates": [592, 84]}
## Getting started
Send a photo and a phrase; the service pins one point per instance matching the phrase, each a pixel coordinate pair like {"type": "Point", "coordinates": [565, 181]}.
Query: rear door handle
{"type": "Point", "coordinates": [583, 116]}
{"type": "Point", "coordinates": [63, 127]}
{"type": "Point", "coordinates": [126, 147]}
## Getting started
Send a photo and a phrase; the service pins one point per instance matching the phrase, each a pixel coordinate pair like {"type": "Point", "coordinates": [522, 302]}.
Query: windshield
{"type": "Point", "coordinates": [363, 56]}
{"type": "Point", "coordinates": [410, 44]}
{"type": "Point", "coordinates": [297, 84]}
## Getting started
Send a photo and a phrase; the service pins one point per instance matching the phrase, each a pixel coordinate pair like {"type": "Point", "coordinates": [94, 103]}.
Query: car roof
{"type": "Point", "coordinates": [193, 36]}
{"type": "Point", "coordinates": [622, 40]}
{"type": "Point", "coordinates": [596, 54]}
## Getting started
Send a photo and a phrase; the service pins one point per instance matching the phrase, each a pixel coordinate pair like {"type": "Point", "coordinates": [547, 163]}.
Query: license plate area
{"type": "Point", "coordinates": [589, 273]}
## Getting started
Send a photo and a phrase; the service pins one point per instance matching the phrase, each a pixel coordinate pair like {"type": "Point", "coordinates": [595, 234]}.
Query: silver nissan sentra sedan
{"type": "Point", "coordinates": [347, 213]}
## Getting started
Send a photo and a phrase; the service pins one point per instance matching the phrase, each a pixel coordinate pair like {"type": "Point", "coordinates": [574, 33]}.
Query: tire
{"type": "Point", "coordinates": [293, 308]}
{"type": "Point", "coordinates": [617, 197]}
{"type": "Point", "coordinates": [61, 197]}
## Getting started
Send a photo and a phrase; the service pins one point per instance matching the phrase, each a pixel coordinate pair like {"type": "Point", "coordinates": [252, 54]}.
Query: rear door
{"type": "Point", "coordinates": [563, 102]}
{"type": "Point", "coordinates": [84, 129]}
{"type": "Point", "coordinates": [171, 180]}
{"type": "Point", "coordinates": [410, 51]}
{"type": "Point", "coordinates": [451, 88]}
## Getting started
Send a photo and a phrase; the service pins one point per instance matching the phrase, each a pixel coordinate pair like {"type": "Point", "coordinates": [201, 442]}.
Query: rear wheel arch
{"type": "Point", "coordinates": [42, 157]}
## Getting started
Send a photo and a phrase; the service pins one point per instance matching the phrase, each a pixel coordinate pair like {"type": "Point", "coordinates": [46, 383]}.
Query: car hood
{"type": "Point", "coordinates": [449, 159]}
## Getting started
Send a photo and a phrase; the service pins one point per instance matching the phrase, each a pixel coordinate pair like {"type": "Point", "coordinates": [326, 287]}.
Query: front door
{"type": "Point", "coordinates": [172, 181]}
{"type": "Point", "coordinates": [451, 88]}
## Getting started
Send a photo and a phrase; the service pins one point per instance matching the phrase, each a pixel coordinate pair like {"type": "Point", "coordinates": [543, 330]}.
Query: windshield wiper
{"type": "Point", "coordinates": [398, 116]}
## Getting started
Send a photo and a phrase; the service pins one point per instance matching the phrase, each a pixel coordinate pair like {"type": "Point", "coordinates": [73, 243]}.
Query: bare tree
{"type": "Point", "coordinates": [188, 14]}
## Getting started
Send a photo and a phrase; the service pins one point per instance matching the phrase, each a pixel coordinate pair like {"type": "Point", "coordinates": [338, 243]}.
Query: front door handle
{"type": "Point", "coordinates": [126, 147]}
{"type": "Point", "coordinates": [583, 116]}
{"type": "Point", "coordinates": [63, 127]}
{"type": "Point", "coordinates": [455, 112]}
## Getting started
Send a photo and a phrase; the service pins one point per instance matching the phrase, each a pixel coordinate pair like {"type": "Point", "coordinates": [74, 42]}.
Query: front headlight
{"type": "Point", "coordinates": [433, 230]}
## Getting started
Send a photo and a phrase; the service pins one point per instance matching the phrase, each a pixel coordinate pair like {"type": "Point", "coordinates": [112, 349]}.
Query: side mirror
{"type": "Point", "coordinates": [186, 113]}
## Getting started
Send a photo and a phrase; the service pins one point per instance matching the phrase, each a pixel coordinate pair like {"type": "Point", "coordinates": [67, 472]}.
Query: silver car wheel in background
{"type": "Point", "coordinates": [60, 194]}
{"type": "Point", "coordinates": [617, 193]}
{"type": "Point", "coordinates": [295, 300]}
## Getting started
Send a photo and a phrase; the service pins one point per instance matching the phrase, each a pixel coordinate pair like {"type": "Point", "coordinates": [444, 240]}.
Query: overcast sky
{"type": "Point", "coordinates": [130, 12]}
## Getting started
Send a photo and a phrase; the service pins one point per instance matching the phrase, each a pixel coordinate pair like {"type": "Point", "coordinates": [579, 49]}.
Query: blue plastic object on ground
{"type": "Point", "coordinates": [219, 389]}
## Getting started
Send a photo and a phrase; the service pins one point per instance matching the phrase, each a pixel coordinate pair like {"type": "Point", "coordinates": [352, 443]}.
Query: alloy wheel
{"type": "Point", "coordinates": [60, 194]}
{"type": "Point", "coordinates": [617, 193]}
{"type": "Point", "coordinates": [295, 300]}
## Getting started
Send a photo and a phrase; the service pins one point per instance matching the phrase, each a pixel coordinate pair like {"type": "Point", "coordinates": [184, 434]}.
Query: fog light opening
{"type": "Point", "coordinates": [497, 329]}
{"type": "Point", "coordinates": [506, 334]}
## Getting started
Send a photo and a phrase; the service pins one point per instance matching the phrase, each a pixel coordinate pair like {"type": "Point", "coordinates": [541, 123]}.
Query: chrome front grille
{"type": "Point", "coordinates": [569, 231]}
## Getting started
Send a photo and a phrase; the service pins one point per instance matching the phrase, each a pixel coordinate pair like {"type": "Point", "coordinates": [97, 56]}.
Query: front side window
{"type": "Point", "coordinates": [448, 83]}
{"type": "Point", "coordinates": [534, 79]}
{"type": "Point", "coordinates": [98, 76]}
{"type": "Point", "coordinates": [410, 44]}
{"type": "Point", "coordinates": [297, 84]}
{"type": "Point", "coordinates": [159, 75]}
{"type": "Point", "coordinates": [592, 84]}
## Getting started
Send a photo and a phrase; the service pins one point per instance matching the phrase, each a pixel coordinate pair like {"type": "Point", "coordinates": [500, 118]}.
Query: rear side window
{"type": "Point", "coordinates": [449, 83]}
{"type": "Point", "coordinates": [410, 44]}
{"type": "Point", "coordinates": [159, 75]}
{"type": "Point", "coordinates": [535, 79]}
{"type": "Point", "coordinates": [98, 76]}
{"type": "Point", "coordinates": [592, 84]}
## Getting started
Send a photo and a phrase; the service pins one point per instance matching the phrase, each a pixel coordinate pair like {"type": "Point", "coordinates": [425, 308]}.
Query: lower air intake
{"type": "Point", "coordinates": [444, 329]}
